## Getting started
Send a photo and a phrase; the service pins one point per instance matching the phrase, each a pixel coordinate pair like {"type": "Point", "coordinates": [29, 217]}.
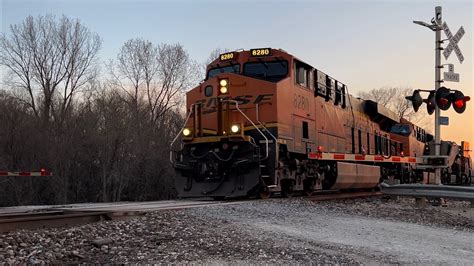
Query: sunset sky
{"type": "Point", "coordinates": [365, 44]}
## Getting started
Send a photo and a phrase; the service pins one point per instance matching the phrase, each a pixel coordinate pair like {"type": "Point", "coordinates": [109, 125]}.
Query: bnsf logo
{"type": "Point", "coordinates": [241, 99]}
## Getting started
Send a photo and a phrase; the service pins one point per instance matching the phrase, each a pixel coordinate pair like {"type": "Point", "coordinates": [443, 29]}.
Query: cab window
{"type": "Point", "coordinates": [303, 74]}
{"type": "Point", "coordinates": [272, 71]}
{"type": "Point", "coordinates": [320, 83]}
{"type": "Point", "coordinates": [401, 129]}
{"type": "Point", "coordinates": [225, 69]}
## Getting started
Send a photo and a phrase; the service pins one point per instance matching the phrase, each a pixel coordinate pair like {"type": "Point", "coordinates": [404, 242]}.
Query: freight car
{"type": "Point", "coordinates": [264, 121]}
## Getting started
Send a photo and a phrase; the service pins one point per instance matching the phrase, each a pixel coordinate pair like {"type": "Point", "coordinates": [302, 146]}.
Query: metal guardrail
{"type": "Point", "coordinates": [429, 191]}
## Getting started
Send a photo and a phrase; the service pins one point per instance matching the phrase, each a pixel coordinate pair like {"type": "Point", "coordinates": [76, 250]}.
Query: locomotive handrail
{"type": "Point", "coordinates": [179, 132]}
{"type": "Point", "coordinates": [258, 120]}
{"type": "Point", "coordinates": [253, 124]}
{"type": "Point", "coordinates": [257, 111]}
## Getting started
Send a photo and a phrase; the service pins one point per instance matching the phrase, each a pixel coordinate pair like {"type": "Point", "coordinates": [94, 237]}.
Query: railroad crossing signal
{"type": "Point", "coordinates": [430, 103]}
{"type": "Point", "coordinates": [416, 100]}
{"type": "Point", "coordinates": [443, 98]}
{"type": "Point", "coordinates": [459, 101]}
{"type": "Point", "coordinates": [453, 42]}
{"type": "Point", "coordinates": [437, 26]}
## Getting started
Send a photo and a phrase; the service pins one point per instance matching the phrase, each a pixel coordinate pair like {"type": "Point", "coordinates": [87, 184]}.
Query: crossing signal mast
{"type": "Point", "coordinates": [441, 98]}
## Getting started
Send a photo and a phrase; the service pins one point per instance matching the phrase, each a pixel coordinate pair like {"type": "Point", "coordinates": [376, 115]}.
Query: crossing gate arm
{"type": "Point", "coordinates": [363, 158]}
{"type": "Point", "coordinates": [40, 173]}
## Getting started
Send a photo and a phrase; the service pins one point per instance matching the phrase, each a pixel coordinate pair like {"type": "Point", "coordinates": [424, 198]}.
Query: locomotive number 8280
{"type": "Point", "coordinates": [264, 121]}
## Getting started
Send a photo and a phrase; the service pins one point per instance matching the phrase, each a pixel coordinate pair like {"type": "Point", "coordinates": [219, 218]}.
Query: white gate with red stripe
{"type": "Point", "coordinates": [364, 158]}
{"type": "Point", "coordinates": [40, 173]}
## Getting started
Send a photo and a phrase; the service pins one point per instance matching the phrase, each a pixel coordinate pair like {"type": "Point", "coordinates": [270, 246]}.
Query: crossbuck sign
{"type": "Point", "coordinates": [453, 42]}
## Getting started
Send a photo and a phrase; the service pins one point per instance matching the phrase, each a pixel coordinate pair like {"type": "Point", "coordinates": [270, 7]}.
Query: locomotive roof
{"type": "Point", "coordinates": [246, 55]}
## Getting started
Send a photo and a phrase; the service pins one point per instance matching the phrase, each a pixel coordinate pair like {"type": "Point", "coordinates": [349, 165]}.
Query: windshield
{"type": "Point", "coordinates": [401, 129]}
{"type": "Point", "coordinates": [226, 69]}
{"type": "Point", "coordinates": [271, 71]}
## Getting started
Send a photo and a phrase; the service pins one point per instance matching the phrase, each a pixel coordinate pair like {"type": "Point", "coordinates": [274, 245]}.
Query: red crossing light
{"type": "Point", "coordinates": [459, 101]}
{"type": "Point", "coordinates": [443, 101]}
{"type": "Point", "coordinates": [443, 98]}
{"type": "Point", "coordinates": [430, 103]}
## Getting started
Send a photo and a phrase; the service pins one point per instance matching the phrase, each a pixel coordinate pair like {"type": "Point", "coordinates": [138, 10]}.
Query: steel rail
{"type": "Point", "coordinates": [58, 217]}
{"type": "Point", "coordinates": [12, 215]}
{"type": "Point", "coordinates": [343, 195]}
{"type": "Point", "coordinates": [49, 219]}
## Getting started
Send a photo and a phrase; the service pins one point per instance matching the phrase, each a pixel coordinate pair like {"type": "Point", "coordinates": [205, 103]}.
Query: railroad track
{"type": "Point", "coordinates": [67, 215]}
{"type": "Point", "coordinates": [343, 195]}
{"type": "Point", "coordinates": [52, 218]}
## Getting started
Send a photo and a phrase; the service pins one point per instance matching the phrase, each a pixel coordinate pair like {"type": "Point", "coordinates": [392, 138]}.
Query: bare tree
{"type": "Point", "coordinates": [213, 55]}
{"type": "Point", "coordinates": [137, 113]}
{"type": "Point", "coordinates": [105, 140]}
{"type": "Point", "coordinates": [136, 63]}
{"type": "Point", "coordinates": [177, 73]}
{"type": "Point", "coordinates": [394, 99]}
{"type": "Point", "coordinates": [50, 60]}
{"type": "Point", "coordinates": [155, 74]}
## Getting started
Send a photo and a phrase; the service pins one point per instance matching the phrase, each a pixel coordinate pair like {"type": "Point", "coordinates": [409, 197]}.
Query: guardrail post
{"type": "Point", "coordinates": [392, 181]}
{"type": "Point", "coordinates": [420, 202]}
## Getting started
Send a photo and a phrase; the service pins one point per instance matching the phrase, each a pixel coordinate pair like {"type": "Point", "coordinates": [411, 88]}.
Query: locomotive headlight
{"type": "Point", "coordinates": [235, 129]}
{"type": "Point", "coordinates": [186, 132]}
{"type": "Point", "coordinates": [223, 84]}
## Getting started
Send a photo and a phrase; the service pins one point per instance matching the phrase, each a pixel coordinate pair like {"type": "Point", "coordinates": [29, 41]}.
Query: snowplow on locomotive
{"type": "Point", "coordinates": [264, 121]}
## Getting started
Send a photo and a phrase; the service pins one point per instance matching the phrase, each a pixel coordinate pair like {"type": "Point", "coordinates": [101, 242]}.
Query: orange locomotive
{"type": "Point", "coordinates": [264, 121]}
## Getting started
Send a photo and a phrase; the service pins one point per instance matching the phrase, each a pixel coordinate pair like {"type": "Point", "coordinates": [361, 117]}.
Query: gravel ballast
{"type": "Point", "coordinates": [368, 231]}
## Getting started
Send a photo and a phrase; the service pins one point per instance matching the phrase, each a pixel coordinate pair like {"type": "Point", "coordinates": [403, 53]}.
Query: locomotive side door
{"type": "Point", "coordinates": [303, 119]}
{"type": "Point", "coordinates": [304, 128]}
